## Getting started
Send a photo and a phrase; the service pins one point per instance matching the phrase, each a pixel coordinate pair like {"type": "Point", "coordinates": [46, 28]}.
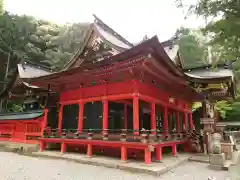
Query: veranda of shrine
{"type": "Point", "coordinates": [141, 79]}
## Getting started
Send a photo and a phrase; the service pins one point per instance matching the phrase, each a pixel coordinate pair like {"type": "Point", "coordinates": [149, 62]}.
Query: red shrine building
{"type": "Point", "coordinates": [111, 96]}
{"type": "Point", "coordinates": [135, 100]}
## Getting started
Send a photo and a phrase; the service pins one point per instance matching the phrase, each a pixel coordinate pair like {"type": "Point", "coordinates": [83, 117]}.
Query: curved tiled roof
{"type": "Point", "coordinates": [22, 115]}
{"type": "Point", "coordinates": [25, 70]}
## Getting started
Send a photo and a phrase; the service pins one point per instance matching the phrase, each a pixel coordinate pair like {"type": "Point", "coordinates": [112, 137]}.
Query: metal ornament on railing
{"type": "Point", "coordinates": [159, 138]}
{"type": "Point", "coordinates": [166, 137]}
{"type": "Point", "coordinates": [123, 135]}
{"type": "Point", "coordinates": [174, 137]}
{"type": "Point", "coordinates": [174, 134]}
{"type": "Point", "coordinates": [76, 135]}
{"type": "Point", "coordinates": [70, 133]}
{"type": "Point", "coordinates": [180, 136]}
{"type": "Point", "coordinates": [152, 138]}
{"type": "Point", "coordinates": [90, 135]}
{"type": "Point", "coordinates": [64, 134]}
{"type": "Point", "coordinates": [144, 136]}
{"type": "Point", "coordinates": [151, 148]}
{"type": "Point", "coordinates": [105, 135]}
{"type": "Point", "coordinates": [53, 133]}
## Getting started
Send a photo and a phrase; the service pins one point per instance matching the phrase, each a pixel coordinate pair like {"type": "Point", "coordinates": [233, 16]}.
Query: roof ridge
{"type": "Point", "coordinates": [34, 64]}
{"type": "Point", "coordinates": [100, 22]}
{"type": "Point", "coordinates": [169, 42]}
{"type": "Point", "coordinates": [79, 51]}
{"type": "Point", "coordinates": [228, 65]}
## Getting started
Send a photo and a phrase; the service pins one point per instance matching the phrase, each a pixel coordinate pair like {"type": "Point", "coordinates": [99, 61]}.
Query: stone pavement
{"type": "Point", "coordinates": [200, 158]}
{"type": "Point", "coordinates": [18, 167]}
{"type": "Point", "coordinates": [18, 147]}
{"type": "Point", "coordinates": [155, 168]}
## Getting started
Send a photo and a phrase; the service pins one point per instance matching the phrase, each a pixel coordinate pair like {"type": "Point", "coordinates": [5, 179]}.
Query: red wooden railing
{"type": "Point", "coordinates": [24, 131]}
{"type": "Point", "coordinates": [33, 129]}
{"type": "Point", "coordinates": [6, 129]}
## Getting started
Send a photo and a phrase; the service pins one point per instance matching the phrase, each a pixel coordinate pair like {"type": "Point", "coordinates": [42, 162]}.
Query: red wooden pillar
{"type": "Point", "coordinates": [136, 115]}
{"type": "Point", "coordinates": [165, 124]}
{"type": "Point", "coordinates": [60, 113]}
{"type": "Point", "coordinates": [174, 149]}
{"type": "Point", "coordinates": [178, 121]}
{"type": "Point", "coordinates": [147, 156]}
{"type": "Point", "coordinates": [44, 123]}
{"type": "Point", "coordinates": [63, 147]}
{"type": "Point", "coordinates": [153, 118]}
{"type": "Point", "coordinates": [158, 153]}
{"type": "Point", "coordinates": [105, 115]}
{"type": "Point", "coordinates": [80, 116]}
{"type": "Point", "coordinates": [89, 150]}
{"type": "Point", "coordinates": [191, 120]}
{"type": "Point", "coordinates": [125, 116]}
{"type": "Point", "coordinates": [123, 153]}
{"type": "Point", "coordinates": [42, 146]}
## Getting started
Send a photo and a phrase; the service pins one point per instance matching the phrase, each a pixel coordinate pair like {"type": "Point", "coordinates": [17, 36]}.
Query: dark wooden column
{"type": "Point", "coordinates": [186, 120]}
{"type": "Point", "coordinates": [191, 120]}
{"type": "Point", "coordinates": [178, 128]}
{"type": "Point", "coordinates": [60, 116]}
{"type": "Point", "coordinates": [125, 116]}
{"type": "Point", "coordinates": [165, 124]}
{"type": "Point", "coordinates": [153, 117]}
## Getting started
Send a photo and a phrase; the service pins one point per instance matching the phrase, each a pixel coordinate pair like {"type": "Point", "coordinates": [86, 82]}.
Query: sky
{"type": "Point", "coordinates": [133, 19]}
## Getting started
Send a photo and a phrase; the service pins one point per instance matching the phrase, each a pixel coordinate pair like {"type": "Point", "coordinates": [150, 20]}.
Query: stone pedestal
{"type": "Point", "coordinates": [227, 149]}
{"type": "Point", "coordinates": [215, 143]}
{"type": "Point", "coordinates": [217, 159]}
{"type": "Point", "coordinates": [208, 130]}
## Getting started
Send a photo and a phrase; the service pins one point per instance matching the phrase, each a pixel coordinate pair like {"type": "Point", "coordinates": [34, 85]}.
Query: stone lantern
{"type": "Point", "coordinates": [208, 124]}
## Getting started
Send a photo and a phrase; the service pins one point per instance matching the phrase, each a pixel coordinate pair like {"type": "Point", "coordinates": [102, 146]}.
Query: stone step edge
{"type": "Point", "coordinates": [117, 166]}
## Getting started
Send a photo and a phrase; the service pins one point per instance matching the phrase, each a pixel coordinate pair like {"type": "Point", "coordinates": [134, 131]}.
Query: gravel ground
{"type": "Point", "coordinates": [17, 167]}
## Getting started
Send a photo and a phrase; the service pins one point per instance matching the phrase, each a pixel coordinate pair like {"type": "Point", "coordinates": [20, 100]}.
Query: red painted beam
{"type": "Point", "coordinates": [94, 99]}
{"type": "Point", "coordinates": [150, 100]}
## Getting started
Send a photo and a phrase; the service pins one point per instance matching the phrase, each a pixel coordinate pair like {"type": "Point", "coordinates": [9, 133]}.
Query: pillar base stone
{"type": "Point", "coordinates": [217, 159]}
{"type": "Point", "coordinates": [124, 161]}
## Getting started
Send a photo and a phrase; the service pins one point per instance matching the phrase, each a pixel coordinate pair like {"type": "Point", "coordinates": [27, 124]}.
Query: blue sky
{"type": "Point", "coordinates": [131, 18]}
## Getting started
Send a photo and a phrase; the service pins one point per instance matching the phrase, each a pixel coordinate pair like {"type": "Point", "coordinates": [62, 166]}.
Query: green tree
{"type": "Point", "coordinates": [222, 27]}
{"type": "Point", "coordinates": [38, 41]}
{"type": "Point", "coordinates": [223, 108]}
{"type": "Point", "coordinates": [70, 39]}
{"type": "Point", "coordinates": [191, 50]}
{"type": "Point", "coordinates": [1, 7]}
